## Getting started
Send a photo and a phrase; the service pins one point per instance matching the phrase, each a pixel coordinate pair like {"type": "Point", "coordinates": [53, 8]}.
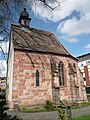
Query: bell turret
{"type": "Point", "coordinates": [24, 18]}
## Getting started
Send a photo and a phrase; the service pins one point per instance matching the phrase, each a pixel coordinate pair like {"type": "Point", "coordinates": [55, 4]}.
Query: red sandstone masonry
{"type": "Point", "coordinates": [26, 92]}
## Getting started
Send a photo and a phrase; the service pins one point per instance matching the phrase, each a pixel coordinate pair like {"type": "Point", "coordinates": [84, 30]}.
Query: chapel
{"type": "Point", "coordinates": [40, 68]}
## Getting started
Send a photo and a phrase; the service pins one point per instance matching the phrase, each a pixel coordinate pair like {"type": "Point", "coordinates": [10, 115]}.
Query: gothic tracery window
{"type": "Point", "coordinates": [61, 73]}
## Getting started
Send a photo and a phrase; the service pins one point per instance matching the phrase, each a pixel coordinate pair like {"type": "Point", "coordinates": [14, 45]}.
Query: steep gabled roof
{"type": "Point", "coordinates": [36, 40]}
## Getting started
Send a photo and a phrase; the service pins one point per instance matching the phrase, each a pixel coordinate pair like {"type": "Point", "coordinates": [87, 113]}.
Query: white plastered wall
{"type": "Point", "coordinates": [10, 72]}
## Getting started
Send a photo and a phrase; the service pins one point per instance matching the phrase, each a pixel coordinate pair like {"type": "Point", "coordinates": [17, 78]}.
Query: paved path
{"type": "Point", "coordinates": [48, 115]}
{"type": "Point", "coordinates": [82, 111]}
{"type": "Point", "coordinates": [35, 116]}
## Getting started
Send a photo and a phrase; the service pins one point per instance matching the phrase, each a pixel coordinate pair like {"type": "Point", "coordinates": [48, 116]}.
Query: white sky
{"type": "Point", "coordinates": [3, 64]}
{"type": "Point", "coordinates": [3, 68]}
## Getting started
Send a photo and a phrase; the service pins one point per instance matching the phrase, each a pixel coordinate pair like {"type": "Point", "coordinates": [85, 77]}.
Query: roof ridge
{"type": "Point", "coordinates": [39, 30]}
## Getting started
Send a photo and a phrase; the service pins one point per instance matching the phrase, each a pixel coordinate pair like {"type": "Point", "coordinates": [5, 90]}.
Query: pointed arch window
{"type": "Point", "coordinates": [61, 73]}
{"type": "Point", "coordinates": [37, 78]}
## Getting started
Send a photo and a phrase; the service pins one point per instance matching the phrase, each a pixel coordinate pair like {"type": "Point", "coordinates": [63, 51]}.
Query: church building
{"type": "Point", "coordinates": [40, 68]}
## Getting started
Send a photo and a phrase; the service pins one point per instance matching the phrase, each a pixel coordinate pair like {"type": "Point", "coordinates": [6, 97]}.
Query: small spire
{"type": "Point", "coordinates": [24, 17]}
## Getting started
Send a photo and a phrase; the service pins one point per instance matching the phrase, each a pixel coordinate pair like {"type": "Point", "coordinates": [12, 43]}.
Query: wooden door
{"type": "Point", "coordinates": [56, 96]}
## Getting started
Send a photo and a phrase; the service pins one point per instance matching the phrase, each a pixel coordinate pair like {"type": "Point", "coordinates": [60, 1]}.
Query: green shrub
{"type": "Point", "coordinates": [49, 105]}
{"type": "Point", "coordinates": [34, 109]}
{"type": "Point", "coordinates": [3, 104]}
{"type": "Point", "coordinates": [80, 105]}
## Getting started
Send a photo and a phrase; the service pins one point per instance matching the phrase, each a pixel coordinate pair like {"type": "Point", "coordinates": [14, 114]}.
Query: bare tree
{"type": "Point", "coordinates": [10, 10]}
{"type": "Point", "coordinates": [8, 13]}
{"type": "Point", "coordinates": [47, 3]}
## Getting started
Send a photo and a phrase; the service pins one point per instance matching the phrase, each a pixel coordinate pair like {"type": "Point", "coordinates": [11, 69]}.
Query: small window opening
{"type": "Point", "coordinates": [37, 78]}
{"type": "Point", "coordinates": [61, 73]}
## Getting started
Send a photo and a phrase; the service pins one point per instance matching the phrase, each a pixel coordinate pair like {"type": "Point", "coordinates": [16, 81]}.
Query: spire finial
{"type": "Point", "coordinates": [25, 5]}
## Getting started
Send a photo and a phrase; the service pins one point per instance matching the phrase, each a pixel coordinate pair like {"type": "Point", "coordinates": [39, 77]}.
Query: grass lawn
{"type": "Point", "coordinates": [83, 117]}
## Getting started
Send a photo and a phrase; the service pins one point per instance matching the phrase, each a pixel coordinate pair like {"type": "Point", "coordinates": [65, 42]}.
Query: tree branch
{"type": "Point", "coordinates": [52, 8]}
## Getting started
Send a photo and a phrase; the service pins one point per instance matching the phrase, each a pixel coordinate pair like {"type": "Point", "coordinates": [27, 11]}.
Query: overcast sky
{"type": "Point", "coordinates": [70, 23]}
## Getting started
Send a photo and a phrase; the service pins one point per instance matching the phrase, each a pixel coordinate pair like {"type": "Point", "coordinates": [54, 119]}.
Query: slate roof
{"type": "Point", "coordinates": [36, 40]}
{"type": "Point", "coordinates": [84, 57]}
